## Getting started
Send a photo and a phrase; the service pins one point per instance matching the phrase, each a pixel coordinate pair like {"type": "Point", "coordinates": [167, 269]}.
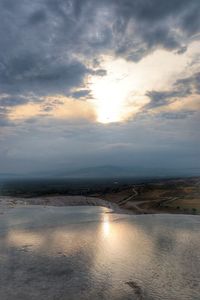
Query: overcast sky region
{"type": "Point", "coordinates": [92, 83]}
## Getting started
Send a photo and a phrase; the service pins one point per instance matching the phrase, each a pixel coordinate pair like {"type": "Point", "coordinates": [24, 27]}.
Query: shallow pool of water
{"type": "Point", "coordinates": [62, 253]}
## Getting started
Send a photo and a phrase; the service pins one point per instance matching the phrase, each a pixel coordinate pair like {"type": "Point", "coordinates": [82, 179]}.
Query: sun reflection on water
{"type": "Point", "coordinates": [106, 225]}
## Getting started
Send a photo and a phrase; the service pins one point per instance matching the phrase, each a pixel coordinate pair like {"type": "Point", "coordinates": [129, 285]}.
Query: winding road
{"type": "Point", "coordinates": [135, 204]}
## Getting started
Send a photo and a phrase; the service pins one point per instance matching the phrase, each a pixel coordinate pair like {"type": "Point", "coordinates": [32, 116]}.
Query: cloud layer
{"type": "Point", "coordinates": [55, 54]}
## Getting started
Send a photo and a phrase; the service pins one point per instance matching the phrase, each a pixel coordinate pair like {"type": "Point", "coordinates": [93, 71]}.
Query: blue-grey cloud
{"type": "Point", "coordinates": [13, 101]}
{"type": "Point", "coordinates": [181, 88]}
{"type": "Point", "coordinates": [32, 73]}
{"type": "Point", "coordinates": [41, 41]}
{"type": "Point", "coordinates": [192, 83]}
{"type": "Point", "coordinates": [4, 122]}
{"type": "Point", "coordinates": [177, 115]}
{"type": "Point", "coordinates": [81, 94]}
{"type": "Point", "coordinates": [154, 24]}
{"type": "Point", "coordinates": [160, 98]}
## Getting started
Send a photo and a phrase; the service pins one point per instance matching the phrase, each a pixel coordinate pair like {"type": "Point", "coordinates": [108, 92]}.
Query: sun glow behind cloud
{"type": "Point", "coordinates": [57, 106]}
{"type": "Point", "coordinates": [109, 100]}
{"type": "Point", "coordinates": [120, 94]}
{"type": "Point", "coordinates": [116, 98]}
{"type": "Point", "coordinates": [99, 83]}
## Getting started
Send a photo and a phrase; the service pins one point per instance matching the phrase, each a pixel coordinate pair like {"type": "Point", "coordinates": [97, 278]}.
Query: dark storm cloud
{"type": "Point", "coordinates": [32, 73]}
{"type": "Point", "coordinates": [152, 10]}
{"type": "Point", "coordinates": [42, 41]}
{"type": "Point", "coordinates": [39, 16]}
{"type": "Point", "coordinates": [191, 19]}
{"type": "Point", "coordinates": [35, 53]}
{"type": "Point", "coordinates": [157, 24]}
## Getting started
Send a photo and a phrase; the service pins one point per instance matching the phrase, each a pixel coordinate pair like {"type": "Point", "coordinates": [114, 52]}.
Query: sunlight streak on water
{"type": "Point", "coordinates": [89, 253]}
{"type": "Point", "coordinates": [106, 225]}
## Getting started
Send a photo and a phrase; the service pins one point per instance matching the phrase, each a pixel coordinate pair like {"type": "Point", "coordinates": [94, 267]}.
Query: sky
{"type": "Point", "coordinates": [90, 83]}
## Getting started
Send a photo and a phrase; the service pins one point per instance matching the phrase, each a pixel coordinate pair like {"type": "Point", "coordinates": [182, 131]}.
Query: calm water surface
{"type": "Point", "coordinates": [90, 253]}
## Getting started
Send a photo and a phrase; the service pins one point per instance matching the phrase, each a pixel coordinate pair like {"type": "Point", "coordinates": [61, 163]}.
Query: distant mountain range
{"type": "Point", "coordinates": [108, 171]}
{"type": "Point", "coordinates": [118, 171]}
{"type": "Point", "coordinates": [101, 171]}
